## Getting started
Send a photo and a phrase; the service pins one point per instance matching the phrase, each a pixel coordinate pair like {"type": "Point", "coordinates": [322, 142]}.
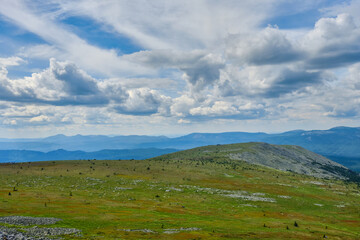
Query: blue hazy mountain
{"type": "Point", "coordinates": [89, 143]}
{"type": "Point", "coordinates": [61, 154]}
{"type": "Point", "coordinates": [341, 144]}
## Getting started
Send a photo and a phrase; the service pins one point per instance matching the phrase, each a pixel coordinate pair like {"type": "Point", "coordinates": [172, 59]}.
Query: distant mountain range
{"type": "Point", "coordinates": [29, 156]}
{"type": "Point", "coordinates": [341, 144]}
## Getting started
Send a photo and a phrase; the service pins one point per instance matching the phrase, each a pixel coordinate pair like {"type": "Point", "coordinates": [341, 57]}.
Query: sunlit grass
{"type": "Point", "coordinates": [107, 199]}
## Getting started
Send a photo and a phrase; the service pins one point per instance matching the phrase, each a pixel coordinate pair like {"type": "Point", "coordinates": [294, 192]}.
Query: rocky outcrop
{"type": "Point", "coordinates": [291, 158]}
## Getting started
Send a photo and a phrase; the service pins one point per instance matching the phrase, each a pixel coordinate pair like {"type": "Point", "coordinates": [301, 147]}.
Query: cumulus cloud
{"type": "Point", "coordinates": [200, 68]}
{"type": "Point", "coordinates": [182, 105]}
{"type": "Point", "coordinates": [76, 81]}
{"type": "Point", "coordinates": [266, 81]}
{"type": "Point", "coordinates": [203, 60]}
{"type": "Point", "coordinates": [41, 118]}
{"type": "Point", "coordinates": [63, 83]}
{"type": "Point", "coordinates": [7, 62]}
{"type": "Point", "coordinates": [342, 100]}
{"type": "Point", "coordinates": [334, 42]}
{"type": "Point", "coordinates": [143, 101]}
{"type": "Point", "coordinates": [218, 108]}
{"type": "Point", "coordinates": [269, 46]}
{"type": "Point", "coordinates": [351, 7]}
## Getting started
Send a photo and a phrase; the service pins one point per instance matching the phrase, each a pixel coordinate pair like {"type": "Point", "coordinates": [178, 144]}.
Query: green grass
{"type": "Point", "coordinates": [179, 192]}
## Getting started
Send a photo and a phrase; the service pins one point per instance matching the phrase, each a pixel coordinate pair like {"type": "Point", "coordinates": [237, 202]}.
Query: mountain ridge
{"type": "Point", "coordinates": [340, 143]}
{"type": "Point", "coordinates": [281, 157]}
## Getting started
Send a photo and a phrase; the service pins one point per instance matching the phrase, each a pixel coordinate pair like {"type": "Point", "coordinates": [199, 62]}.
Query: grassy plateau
{"type": "Point", "coordinates": [188, 195]}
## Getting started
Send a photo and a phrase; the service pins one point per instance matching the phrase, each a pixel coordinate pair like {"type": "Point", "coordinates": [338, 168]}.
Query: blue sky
{"type": "Point", "coordinates": [174, 67]}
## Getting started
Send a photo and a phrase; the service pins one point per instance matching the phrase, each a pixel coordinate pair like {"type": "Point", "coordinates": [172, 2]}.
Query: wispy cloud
{"type": "Point", "coordinates": [201, 62]}
{"type": "Point", "coordinates": [78, 50]}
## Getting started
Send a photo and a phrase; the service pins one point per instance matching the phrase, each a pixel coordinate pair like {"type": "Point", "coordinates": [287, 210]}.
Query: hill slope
{"type": "Point", "coordinates": [176, 197]}
{"type": "Point", "coordinates": [281, 157]}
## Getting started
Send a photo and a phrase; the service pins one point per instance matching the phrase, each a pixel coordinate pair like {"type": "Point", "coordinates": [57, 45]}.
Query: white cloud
{"type": "Point", "coordinates": [97, 60]}
{"type": "Point", "coordinates": [200, 67]}
{"type": "Point", "coordinates": [42, 51]}
{"type": "Point", "coordinates": [219, 108]}
{"type": "Point", "coordinates": [63, 83]}
{"type": "Point", "coordinates": [183, 121]}
{"type": "Point", "coordinates": [204, 60]}
{"type": "Point", "coordinates": [268, 46]}
{"type": "Point", "coordinates": [351, 7]}
{"type": "Point", "coordinates": [11, 61]}
{"type": "Point", "coordinates": [334, 42]}
{"type": "Point", "coordinates": [182, 105]}
{"type": "Point", "coordinates": [39, 119]}
{"type": "Point", "coordinates": [143, 101]}
{"type": "Point", "coordinates": [180, 25]}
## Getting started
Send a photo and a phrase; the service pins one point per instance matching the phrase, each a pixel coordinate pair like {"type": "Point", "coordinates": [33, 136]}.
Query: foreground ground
{"type": "Point", "coordinates": [179, 199]}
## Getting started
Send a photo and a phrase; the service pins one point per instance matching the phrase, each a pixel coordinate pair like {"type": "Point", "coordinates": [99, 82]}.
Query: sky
{"type": "Point", "coordinates": [171, 67]}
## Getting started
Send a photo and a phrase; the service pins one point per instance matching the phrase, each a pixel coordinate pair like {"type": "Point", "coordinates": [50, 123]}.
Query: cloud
{"type": "Point", "coordinates": [97, 60]}
{"type": "Point", "coordinates": [334, 42]}
{"type": "Point", "coordinates": [200, 68]}
{"type": "Point", "coordinates": [203, 61]}
{"type": "Point", "coordinates": [266, 81]}
{"type": "Point", "coordinates": [39, 119]}
{"type": "Point", "coordinates": [178, 25]}
{"type": "Point", "coordinates": [182, 105]}
{"type": "Point", "coordinates": [7, 62]}
{"type": "Point", "coordinates": [342, 100]}
{"type": "Point", "coordinates": [11, 61]}
{"type": "Point", "coordinates": [219, 108]}
{"type": "Point", "coordinates": [268, 46]}
{"type": "Point", "coordinates": [76, 81]}
{"type": "Point", "coordinates": [143, 101]}
{"type": "Point", "coordinates": [154, 83]}
{"type": "Point", "coordinates": [351, 7]}
{"type": "Point", "coordinates": [41, 51]}
{"type": "Point", "coordinates": [63, 83]}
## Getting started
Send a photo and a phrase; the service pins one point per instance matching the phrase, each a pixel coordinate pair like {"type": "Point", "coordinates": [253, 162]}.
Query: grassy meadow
{"type": "Point", "coordinates": [180, 199]}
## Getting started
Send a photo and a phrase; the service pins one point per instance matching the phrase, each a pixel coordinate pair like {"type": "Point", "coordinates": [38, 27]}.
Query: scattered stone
{"type": "Point", "coordinates": [40, 232]}
{"type": "Point", "coordinates": [121, 188]}
{"type": "Point", "coordinates": [340, 206]}
{"type": "Point", "coordinates": [10, 233]}
{"type": "Point", "coordinates": [173, 189]}
{"type": "Point", "coordinates": [28, 221]}
{"type": "Point", "coordinates": [284, 196]}
{"type": "Point", "coordinates": [227, 175]}
{"type": "Point", "coordinates": [23, 233]}
{"type": "Point", "coordinates": [318, 204]}
{"type": "Point", "coordinates": [137, 230]}
{"type": "Point", "coordinates": [314, 182]}
{"type": "Point", "coordinates": [340, 193]}
{"type": "Point", "coordinates": [248, 205]}
{"type": "Point", "coordinates": [177, 230]}
{"type": "Point", "coordinates": [258, 194]}
{"type": "Point", "coordinates": [251, 198]}
{"type": "Point", "coordinates": [9, 236]}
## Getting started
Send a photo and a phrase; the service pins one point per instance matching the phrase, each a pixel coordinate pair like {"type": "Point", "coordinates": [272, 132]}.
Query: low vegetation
{"type": "Point", "coordinates": [179, 196]}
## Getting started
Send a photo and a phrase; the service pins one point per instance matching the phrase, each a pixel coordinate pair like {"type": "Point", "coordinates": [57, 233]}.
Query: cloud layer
{"type": "Point", "coordinates": [203, 62]}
